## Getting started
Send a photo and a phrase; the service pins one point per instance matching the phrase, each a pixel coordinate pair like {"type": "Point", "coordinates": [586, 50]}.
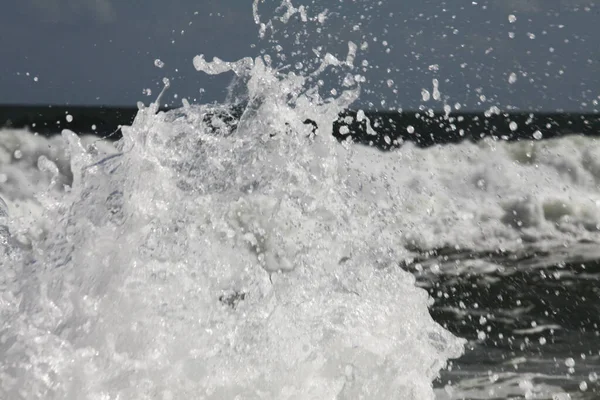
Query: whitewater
{"type": "Point", "coordinates": [190, 260]}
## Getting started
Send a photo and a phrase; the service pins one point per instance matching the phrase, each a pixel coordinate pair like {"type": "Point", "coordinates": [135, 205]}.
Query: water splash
{"type": "Point", "coordinates": [195, 261]}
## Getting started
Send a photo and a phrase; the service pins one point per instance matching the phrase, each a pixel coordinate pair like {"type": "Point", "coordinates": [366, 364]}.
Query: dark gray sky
{"type": "Point", "coordinates": [102, 52]}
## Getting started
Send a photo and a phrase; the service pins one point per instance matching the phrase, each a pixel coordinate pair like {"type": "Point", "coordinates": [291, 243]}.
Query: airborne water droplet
{"type": "Point", "coordinates": [570, 362]}
{"type": "Point", "coordinates": [542, 341]}
{"type": "Point", "coordinates": [425, 95]}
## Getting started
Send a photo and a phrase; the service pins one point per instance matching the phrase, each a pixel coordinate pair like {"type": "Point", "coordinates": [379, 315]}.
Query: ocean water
{"type": "Point", "coordinates": [189, 260]}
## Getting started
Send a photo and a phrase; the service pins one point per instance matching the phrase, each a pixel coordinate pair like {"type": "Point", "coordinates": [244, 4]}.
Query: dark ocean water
{"type": "Point", "coordinates": [528, 316]}
{"type": "Point", "coordinates": [423, 128]}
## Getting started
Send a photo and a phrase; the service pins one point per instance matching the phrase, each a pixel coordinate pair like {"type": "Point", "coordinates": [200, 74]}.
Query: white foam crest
{"type": "Point", "coordinates": [498, 195]}
{"type": "Point", "coordinates": [486, 196]}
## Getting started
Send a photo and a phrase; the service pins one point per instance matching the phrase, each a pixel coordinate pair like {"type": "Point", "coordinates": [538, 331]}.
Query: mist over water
{"type": "Point", "coordinates": [192, 260]}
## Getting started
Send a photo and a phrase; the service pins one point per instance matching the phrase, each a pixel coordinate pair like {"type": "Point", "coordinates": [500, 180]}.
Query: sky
{"type": "Point", "coordinates": [535, 55]}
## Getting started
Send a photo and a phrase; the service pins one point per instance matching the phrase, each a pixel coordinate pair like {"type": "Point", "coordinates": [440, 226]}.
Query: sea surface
{"type": "Point", "coordinates": [269, 255]}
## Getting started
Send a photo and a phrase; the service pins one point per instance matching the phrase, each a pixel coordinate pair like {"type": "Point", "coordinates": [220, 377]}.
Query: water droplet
{"type": "Point", "coordinates": [425, 95]}
{"type": "Point", "coordinates": [537, 135]}
{"type": "Point", "coordinates": [513, 126]}
{"type": "Point", "coordinates": [69, 118]}
{"type": "Point", "coordinates": [158, 63]}
{"type": "Point", "coordinates": [512, 78]}
{"type": "Point", "coordinates": [512, 18]}
{"type": "Point", "coordinates": [542, 341]}
{"type": "Point", "coordinates": [436, 90]}
{"type": "Point", "coordinates": [570, 362]}
{"type": "Point", "coordinates": [344, 130]}
{"type": "Point", "coordinates": [410, 129]}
